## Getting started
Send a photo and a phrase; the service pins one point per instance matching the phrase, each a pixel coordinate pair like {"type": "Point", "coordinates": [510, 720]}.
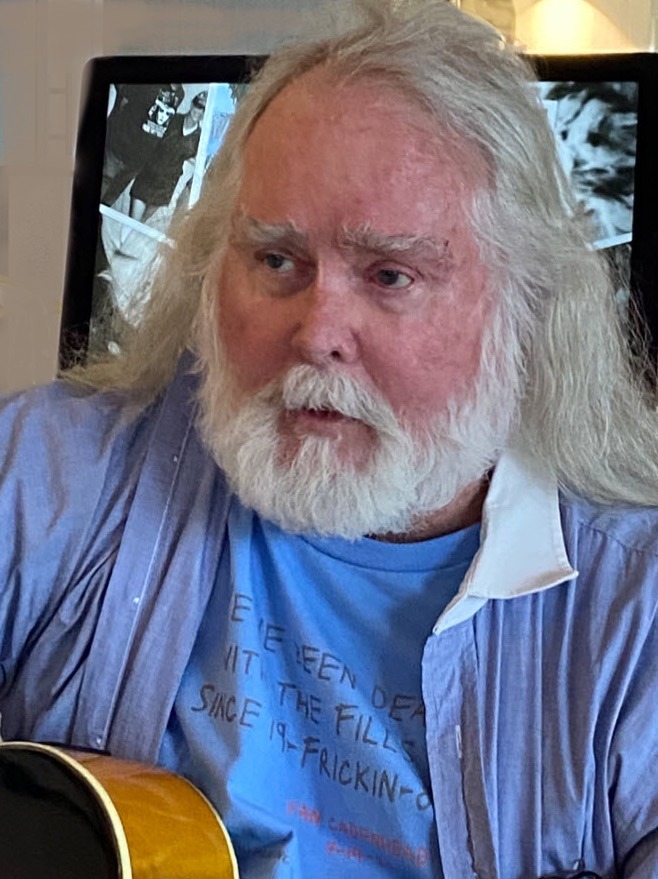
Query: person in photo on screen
{"type": "Point", "coordinates": [155, 185]}
{"type": "Point", "coordinates": [137, 123]}
{"type": "Point", "coordinates": [356, 528]}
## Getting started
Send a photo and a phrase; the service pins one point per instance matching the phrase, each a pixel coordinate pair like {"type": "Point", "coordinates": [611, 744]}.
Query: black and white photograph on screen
{"type": "Point", "coordinates": [172, 161]}
{"type": "Point", "coordinates": [138, 118]}
{"type": "Point", "coordinates": [595, 126]}
{"type": "Point", "coordinates": [174, 130]}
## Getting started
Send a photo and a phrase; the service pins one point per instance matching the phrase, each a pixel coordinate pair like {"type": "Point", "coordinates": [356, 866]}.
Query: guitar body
{"type": "Point", "coordinates": [78, 815]}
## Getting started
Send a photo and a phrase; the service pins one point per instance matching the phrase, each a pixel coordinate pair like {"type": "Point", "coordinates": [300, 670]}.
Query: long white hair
{"type": "Point", "coordinates": [583, 410]}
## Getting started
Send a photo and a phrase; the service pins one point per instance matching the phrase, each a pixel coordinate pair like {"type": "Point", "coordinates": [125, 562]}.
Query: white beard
{"type": "Point", "coordinates": [316, 492]}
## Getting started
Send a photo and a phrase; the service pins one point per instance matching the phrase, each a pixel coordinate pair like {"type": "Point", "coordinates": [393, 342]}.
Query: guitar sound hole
{"type": "Point", "coordinates": [50, 823]}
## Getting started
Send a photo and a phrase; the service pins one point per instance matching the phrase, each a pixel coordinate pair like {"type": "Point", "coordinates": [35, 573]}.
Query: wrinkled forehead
{"type": "Point", "coordinates": [329, 101]}
{"type": "Point", "coordinates": [359, 150]}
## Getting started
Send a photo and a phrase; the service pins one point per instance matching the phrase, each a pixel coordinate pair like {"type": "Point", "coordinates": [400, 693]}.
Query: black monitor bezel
{"type": "Point", "coordinates": [101, 73]}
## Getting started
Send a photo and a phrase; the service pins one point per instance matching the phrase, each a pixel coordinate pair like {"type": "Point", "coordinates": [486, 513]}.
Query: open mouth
{"type": "Point", "coordinates": [321, 414]}
{"type": "Point", "coordinates": [310, 416]}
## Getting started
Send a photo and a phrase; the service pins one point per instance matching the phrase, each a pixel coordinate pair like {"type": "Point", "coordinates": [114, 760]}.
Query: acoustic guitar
{"type": "Point", "coordinates": [78, 815]}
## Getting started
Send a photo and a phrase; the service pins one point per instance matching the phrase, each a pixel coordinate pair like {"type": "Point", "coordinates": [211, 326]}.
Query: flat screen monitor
{"type": "Point", "coordinates": [150, 125]}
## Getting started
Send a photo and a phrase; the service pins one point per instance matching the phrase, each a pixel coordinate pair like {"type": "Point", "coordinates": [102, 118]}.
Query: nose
{"type": "Point", "coordinates": [326, 331]}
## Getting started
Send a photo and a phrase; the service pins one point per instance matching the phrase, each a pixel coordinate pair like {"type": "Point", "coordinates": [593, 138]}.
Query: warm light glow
{"type": "Point", "coordinates": [560, 27]}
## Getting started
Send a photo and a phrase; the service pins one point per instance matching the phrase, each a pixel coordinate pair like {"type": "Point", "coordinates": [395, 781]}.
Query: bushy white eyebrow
{"type": "Point", "coordinates": [258, 233]}
{"type": "Point", "coordinates": [364, 237]}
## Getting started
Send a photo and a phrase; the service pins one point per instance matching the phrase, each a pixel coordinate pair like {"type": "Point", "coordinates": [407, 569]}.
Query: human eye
{"type": "Point", "coordinates": [393, 279]}
{"type": "Point", "coordinates": [277, 262]}
{"type": "Point", "coordinates": [280, 272]}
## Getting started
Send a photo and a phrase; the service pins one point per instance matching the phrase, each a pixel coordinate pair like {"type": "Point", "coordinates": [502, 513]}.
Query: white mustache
{"type": "Point", "coordinates": [306, 387]}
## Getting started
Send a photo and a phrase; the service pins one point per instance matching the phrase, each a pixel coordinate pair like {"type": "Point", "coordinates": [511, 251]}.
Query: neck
{"type": "Point", "coordinates": [463, 510]}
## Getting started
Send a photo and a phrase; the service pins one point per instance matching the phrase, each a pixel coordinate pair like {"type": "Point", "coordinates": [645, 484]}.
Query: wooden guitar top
{"type": "Point", "coordinates": [62, 811]}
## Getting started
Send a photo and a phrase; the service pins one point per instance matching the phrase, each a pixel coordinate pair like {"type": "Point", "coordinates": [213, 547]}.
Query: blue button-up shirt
{"type": "Point", "coordinates": [540, 681]}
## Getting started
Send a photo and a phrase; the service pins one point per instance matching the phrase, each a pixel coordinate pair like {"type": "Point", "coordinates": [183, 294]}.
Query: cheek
{"type": "Point", "coordinates": [431, 362]}
{"type": "Point", "coordinates": [252, 338]}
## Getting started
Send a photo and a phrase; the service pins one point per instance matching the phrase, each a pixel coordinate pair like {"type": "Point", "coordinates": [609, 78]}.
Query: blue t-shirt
{"type": "Point", "coordinates": [300, 713]}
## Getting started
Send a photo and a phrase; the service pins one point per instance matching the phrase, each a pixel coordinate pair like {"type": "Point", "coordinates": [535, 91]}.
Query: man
{"type": "Point", "coordinates": [357, 534]}
{"type": "Point", "coordinates": [139, 120]}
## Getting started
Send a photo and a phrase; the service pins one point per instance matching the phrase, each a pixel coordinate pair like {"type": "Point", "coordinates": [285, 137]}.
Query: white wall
{"type": "Point", "coordinates": [584, 26]}
{"type": "Point", "coordinates": [43, 47]}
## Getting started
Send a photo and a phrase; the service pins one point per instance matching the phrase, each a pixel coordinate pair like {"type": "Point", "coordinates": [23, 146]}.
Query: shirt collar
{"type": "Point", "coordinates": [522, 545]}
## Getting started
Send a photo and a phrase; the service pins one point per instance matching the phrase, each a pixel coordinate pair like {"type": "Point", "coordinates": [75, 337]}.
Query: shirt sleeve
{"type": "Point", "coordinates": [633, 767]}
{"type": "Point", "coordinates": [66, 458]}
